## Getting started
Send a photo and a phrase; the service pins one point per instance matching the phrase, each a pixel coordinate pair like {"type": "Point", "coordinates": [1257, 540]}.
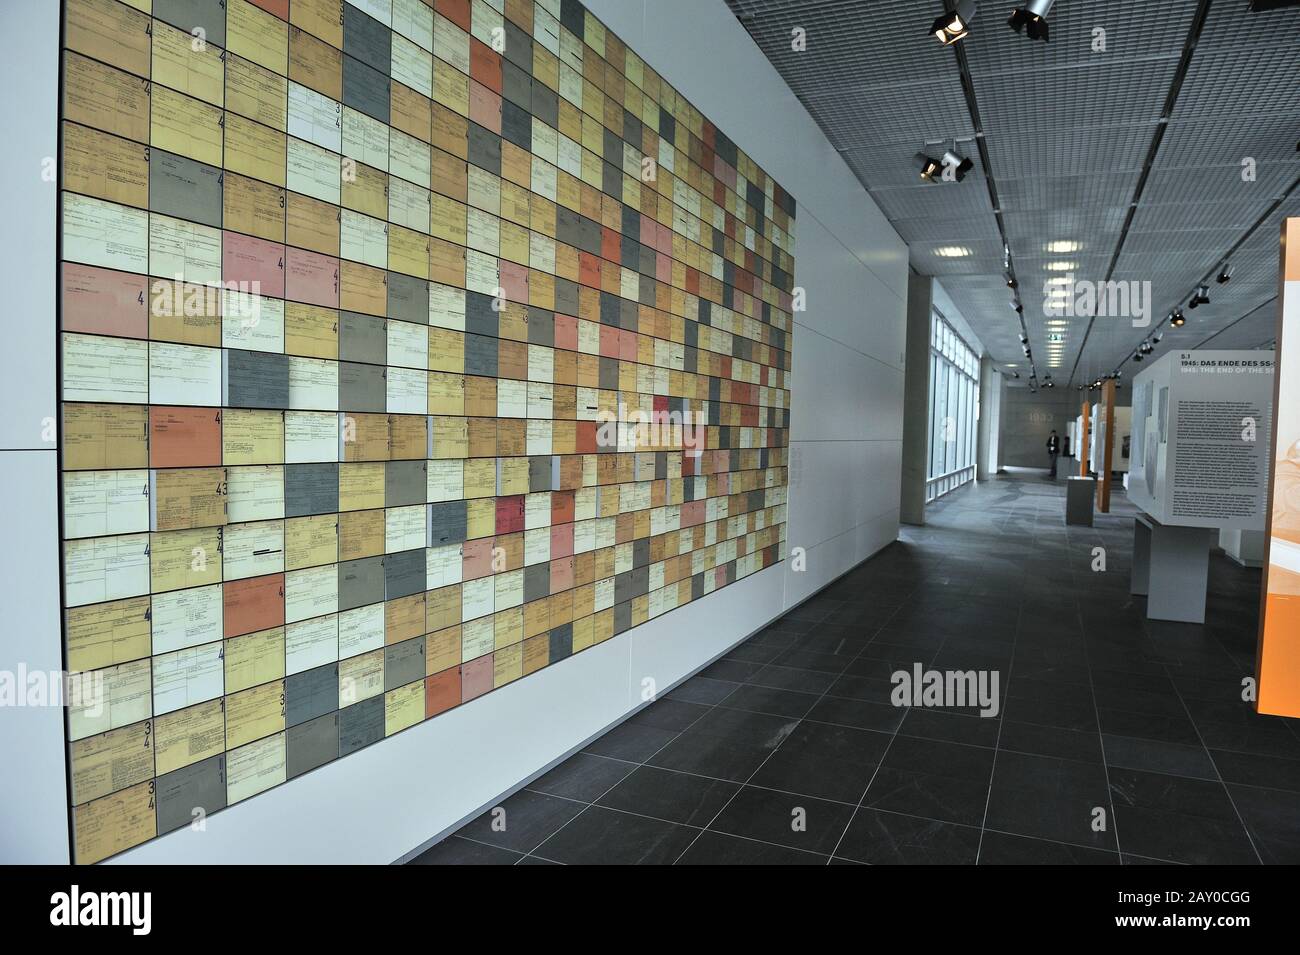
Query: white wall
{"type": "Point", "coordinates": [33, 790]}
{"type": "Point", "coordinates": [378, 804]}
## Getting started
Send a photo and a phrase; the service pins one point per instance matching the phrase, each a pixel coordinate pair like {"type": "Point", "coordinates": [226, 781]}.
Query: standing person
{"type": "Point", "coordinates": [1053, 451]}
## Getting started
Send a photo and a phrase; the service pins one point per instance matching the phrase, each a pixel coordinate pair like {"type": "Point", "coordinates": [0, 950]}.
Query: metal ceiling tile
{"type": "Point", "coordinates": [1107, 94]}
{"type": "Point", "coordinates": [963, 199]}
{"type": "Point", "coordinates": [1151, 29]}
{"type": "Point", "coordinates": [908, 113]}
{"type": "Point", "coordinates": [1239, 79]}
{"type": "Point", "coordinates": [1227, 140]}
{"type": "Point", "coordinates": [1046, 193]}
{"type": "Point", "coordinates": [1216, 184]}
{"type": "Point", "coordinates": [1070, 151]}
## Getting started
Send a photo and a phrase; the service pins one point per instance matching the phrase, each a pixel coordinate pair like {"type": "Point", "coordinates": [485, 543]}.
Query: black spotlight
{"type": "Point", "coordinates": [1011, 280]}
{"type": "Point", "coordinates": [1031, 19]}
{"type": "Point", "coordinates": [1178, 319]}
{"type": "Point", "coordinates": [1225, 274]}
{"type": "Point", "coordinates": [1137, 356]}
{"type": "Point", "coordinates": [958, 164]}
{"type": "Point", "coordinates": [955, 25]}
{"type": "Point", "coordinates": [930, 167]}
{"type": "Point", "coordinates": [1200, 297]}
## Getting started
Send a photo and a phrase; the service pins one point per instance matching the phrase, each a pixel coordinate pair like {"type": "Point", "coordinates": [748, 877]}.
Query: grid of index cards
{"type": "Point", "coordinates": [408, 347]}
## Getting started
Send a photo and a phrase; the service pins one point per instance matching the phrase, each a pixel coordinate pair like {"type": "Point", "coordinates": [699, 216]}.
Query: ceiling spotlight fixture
{"type": "Point", "coordinates": [1146, 347]}
{"type": "Point", "coordinates": [954, 25]}
{"type": "Point", "coordinates": [1024, 339]}
{"type": "Point", "coordinates": [1010, 280]}
{"type": "Point", "coordinates": [1200, 297]}
{"type": "Point", "coordinates": [951, 166]}
{"type": "Point", "coordinates": [1225, 274]}
{"type": "Point", "coordinates": [1137, 356]}
{"type": "Point", "coordinates": [1178, 319]}
{"type": "Point", "coordinates": [1031, 19]}
{"type": "Point", "coordinates": [958, 164]}
{"type": "Point", "coordinates": [1155, 339]}
{"type": "Point", "coordinates": [930, 167]}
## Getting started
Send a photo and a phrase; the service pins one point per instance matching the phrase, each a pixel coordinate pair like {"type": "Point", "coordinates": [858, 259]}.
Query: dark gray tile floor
{"type": "Point", "coordinates": [1119, 739]}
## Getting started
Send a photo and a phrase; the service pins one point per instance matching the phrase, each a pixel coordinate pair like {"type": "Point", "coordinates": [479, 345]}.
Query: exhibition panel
{"type": "Point", "coordinates": [406, 350]}
{"type": "Point", "coordinates": [1202, 421]}
{"type": "Point", "coordinates": [1279, 635]}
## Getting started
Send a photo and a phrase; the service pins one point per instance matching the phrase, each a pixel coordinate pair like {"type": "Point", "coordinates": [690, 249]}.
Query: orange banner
{"type": "Point", "coordinates": [1278, 662]}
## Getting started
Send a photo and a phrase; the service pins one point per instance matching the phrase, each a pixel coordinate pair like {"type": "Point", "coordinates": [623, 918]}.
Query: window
{"type": "Point", "coordinates": [954, 409]}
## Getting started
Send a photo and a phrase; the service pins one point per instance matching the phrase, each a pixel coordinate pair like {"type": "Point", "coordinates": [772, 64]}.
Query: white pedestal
{"type": "Point", "coordinates": [1245, 547]}
{"type": "Point", "coordinates": [1171, 568]}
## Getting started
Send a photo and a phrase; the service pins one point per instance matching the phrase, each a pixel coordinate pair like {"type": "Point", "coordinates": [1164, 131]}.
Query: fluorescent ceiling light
{"type": "Point", "coordinates": [1061, 266]}
{"type": "Point", "coordinates": [952, 251]}
{"type": "Point", "coordinates": [1063, 245]}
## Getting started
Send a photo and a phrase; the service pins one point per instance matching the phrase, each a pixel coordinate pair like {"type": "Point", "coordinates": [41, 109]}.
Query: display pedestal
{"type": "Point", "coordinates": [1171, 568]}
{"type": "Point", "coordinates": [1245, 547]}
{"type": "Point", "coordinates": [1079, 493]}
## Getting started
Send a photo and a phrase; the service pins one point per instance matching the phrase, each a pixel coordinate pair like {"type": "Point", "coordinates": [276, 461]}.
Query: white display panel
{"type": "Point", "coordinates": [1200, 446]}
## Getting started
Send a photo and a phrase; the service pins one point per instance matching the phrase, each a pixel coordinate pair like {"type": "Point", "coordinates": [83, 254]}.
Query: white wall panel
{"type": "Point", "coordinates": [29, 70]}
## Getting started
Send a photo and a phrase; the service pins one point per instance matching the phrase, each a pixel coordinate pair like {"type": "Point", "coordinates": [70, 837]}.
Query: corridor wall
{"type": "Point", "coordinates": [845, 428]}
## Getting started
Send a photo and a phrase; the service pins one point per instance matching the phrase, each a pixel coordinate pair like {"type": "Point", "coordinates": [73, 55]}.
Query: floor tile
{"type": "Point", "coordinates": [718, 848]}
{"type": "Point", "coordinates": [605, 837]}
{"type": "Point", "coordinates": [886, 838]}
{"type": "Point", "coordinates": [671, 796]}
{"type": "Point", "coordinates": [455, 850]}
{"type": "Point", "coordinates": [582, 777]}
{"type": "Point", "coordinates": [522, 821]}
{"type": "Point", "coordinates": [796, 822]}
{"type": "Point", "coordinates": [1001, 848]}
